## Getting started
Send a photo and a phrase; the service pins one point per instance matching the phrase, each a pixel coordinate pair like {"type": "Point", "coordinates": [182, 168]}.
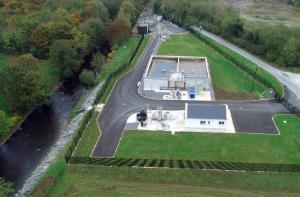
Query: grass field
{"type": "Point", "coordinates": [83, 180]}
{"type": "Point", "coordinates": [252, 148]}
{"type": "Point", "coordinates": [89, 137]}
{"type": "Point", "coordinates": [225, 75]}
{"type": "Point", "coordinates": [91, 133]}
{"type": "Point", "coordinates": [270, 12]}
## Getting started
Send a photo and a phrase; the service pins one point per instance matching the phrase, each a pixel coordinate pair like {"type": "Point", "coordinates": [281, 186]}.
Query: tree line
{"type": "Point", "coordinates": [295, 3]}
{"type": "Point", "coordinates": [276, 43]}
{"type": "Point", "coordinates": [47, 41]}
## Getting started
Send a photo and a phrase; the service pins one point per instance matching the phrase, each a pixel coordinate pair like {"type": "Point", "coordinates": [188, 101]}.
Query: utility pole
{"type": "Point", "coordinates": [254, 78]}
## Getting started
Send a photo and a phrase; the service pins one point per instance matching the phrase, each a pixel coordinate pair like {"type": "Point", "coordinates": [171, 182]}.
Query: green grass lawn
{"type": "Point", "coordinates": [82, 180]}
{"type": "Point", "coordinates": [256, 148]}
{"type": "Point", "coordinates": [91, 133]}
{"type": "Point", "coordinates": [225, 75]}
{"type": "Point", "coordinates": [89, 137]}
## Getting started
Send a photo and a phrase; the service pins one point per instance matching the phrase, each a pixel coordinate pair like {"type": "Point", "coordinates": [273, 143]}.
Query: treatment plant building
{"type": "Point", "coordinates": [179, 77]}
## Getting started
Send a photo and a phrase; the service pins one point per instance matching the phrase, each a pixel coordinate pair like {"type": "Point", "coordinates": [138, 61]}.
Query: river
{"type": "Point", "coordinates": [20, 155]}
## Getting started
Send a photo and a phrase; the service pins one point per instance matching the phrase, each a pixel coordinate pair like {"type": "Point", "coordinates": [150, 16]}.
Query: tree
{"type": "Point", "coordinates": [5, 188]}
{"type": "Point", "coordinates": [94, 28]}
{"type": "Point", "coordinates": [64, 58]}
{"type": "Point", "coordinates": [118, 32]}
{"type": "Point", "coordinates": [4, 123]}
{"type": "Point", "coordinates": [61, 26]}
{"type": "Point", "coordinates": [112, 7]}
{"type": "Point", "coordinates": [232, 25]}
{"type": "Point", "coordinates": [96, 9]}
{"type": "Point", "coordinates": [273, 40]}
{"type": "Point", "coordinates": [87, 77]}
{"type": "Point", "coordinates": [13, 42]}
{"type": "Point", "coordinates": [98, 61]}
{"type": "Point", "coordinates": [22, 85]}
{"type": "Point", "coordinates": [127, 11]}
{"type": "Point", "coordinates": [156, 6]}
{"type": "Point", "coordinates": [290, 53]}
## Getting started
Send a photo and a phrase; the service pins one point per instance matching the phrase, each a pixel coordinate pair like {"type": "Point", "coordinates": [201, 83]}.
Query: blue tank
{"type": "Point", "coordinates": [192, 92]}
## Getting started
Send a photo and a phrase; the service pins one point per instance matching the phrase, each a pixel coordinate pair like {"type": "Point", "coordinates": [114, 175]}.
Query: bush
{"type": "Point", "coordinates": [5, 188]}
{"type": "Point", "coordinates": [87, 77]}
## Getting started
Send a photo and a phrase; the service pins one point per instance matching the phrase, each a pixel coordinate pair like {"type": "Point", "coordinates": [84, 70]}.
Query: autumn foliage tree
{"type": "Point", "coordinates": [118, 32]}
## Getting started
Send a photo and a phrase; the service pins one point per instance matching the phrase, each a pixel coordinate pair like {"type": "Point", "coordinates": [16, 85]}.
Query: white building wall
{"type": "Point", "coordinates": [209, 124]}
{"type": "Point", "coordinates": [154, 84]}
{"type": "Point", "coordinates": [200, 84]}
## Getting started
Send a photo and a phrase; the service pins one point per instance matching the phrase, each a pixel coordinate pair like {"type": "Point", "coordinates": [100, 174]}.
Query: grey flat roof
{"type": "Point", "coordinates": [195, 111]}
{"type": "Point", "coordinates": [191, 66]}
{"type": "Point", "coordinates": [162, 69]}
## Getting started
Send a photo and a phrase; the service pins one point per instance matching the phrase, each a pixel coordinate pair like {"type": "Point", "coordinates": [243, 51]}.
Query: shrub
{"type": "Point", "coordinates": [87, 77]}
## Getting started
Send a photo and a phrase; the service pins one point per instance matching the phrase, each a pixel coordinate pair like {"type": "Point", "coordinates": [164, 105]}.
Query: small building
{"type": "Point", "coordinates": [207, 117]}
{"type": "Point", "coordinates": [143, 28]}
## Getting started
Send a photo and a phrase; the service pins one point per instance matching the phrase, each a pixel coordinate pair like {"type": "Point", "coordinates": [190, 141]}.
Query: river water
{"type": "Point", "coordinates": [27, 147]}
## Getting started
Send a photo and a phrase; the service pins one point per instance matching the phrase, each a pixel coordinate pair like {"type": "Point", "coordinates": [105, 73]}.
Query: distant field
{"type": "Point", "coordinates": [225, 75]}
{"type": "Point", "coordinates": [253, 148]}
{"type": "Point", "coordinates": [269, 12]}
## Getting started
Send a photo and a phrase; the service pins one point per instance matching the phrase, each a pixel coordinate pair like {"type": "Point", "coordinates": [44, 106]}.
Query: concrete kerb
{"type": "Point", "coordinates": [99, 132]}
{"type": "Point", "coordinates": [131, 69]}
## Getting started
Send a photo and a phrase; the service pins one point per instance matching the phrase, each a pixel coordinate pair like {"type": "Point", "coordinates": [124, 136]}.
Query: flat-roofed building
{"type": "Point", "coordinates": [178, 73]}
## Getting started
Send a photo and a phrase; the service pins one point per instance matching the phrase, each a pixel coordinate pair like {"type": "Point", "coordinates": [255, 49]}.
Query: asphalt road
{"type": "Point", "coordinates": [290, 80]}
{"type": "Point", "coordinates": [248, 116]}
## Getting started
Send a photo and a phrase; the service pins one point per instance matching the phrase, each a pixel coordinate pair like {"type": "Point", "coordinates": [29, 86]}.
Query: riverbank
{"type": "Point", "coordinates": [14, 129]}
{"type": "Point", "coordinates": [60, 144]}
{"type": "Point", "coordinates": [118, 59]}
{"type": "Point", "coordinates": [52, 84]}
